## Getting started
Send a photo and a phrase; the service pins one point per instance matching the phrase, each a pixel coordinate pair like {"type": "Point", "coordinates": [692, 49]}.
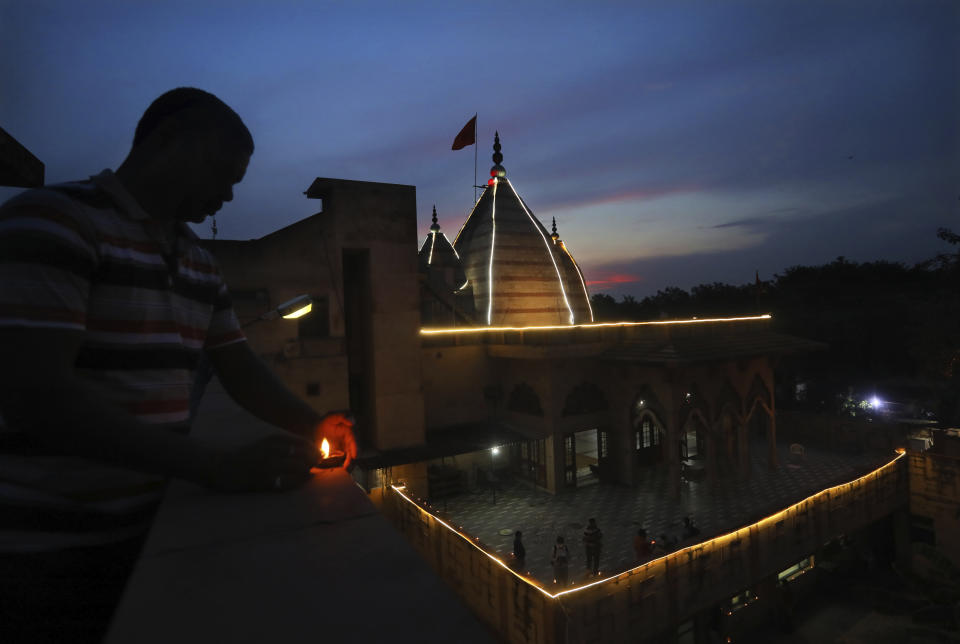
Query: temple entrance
{"type": "Point", "coordinates": [648, 440]}
{"type": "Point", "coordinates": [581, 458]}
{"type": "Point", "coordinates": [693, 442]}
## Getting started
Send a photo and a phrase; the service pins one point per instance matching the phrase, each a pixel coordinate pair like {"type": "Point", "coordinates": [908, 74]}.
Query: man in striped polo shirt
{"type": "Point", "coordinates": [106, 304]}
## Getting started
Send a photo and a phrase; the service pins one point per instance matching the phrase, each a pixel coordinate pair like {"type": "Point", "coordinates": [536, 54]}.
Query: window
{"type": "Point", "coordinates": [796, 569]}
{"type": "Point", "coordinates": [740, 600]}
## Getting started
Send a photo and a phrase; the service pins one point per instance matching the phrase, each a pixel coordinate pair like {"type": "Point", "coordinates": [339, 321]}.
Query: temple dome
{"type": "Point", "coordinates": [439, 259]}
{"type": "Point", "coordinates": [521, 274]}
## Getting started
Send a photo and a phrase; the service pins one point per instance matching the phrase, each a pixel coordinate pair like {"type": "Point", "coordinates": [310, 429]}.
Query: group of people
{"type": "Point", "coordinates": [560, 558]}
{"type": "Point", "coordinates": [644, 549]}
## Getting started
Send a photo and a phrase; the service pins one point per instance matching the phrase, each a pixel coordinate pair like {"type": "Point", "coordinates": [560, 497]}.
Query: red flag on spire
{"type": "Point", "coordinates": [467, 136]}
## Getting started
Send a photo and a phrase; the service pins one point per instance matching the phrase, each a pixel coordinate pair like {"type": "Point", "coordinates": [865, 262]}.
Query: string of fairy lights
{"type": "Point", "coordinates": [425, 507]}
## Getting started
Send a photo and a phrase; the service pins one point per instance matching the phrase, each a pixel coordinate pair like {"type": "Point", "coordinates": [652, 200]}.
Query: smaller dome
{"type": "Point", "coordinates": [439, 260]}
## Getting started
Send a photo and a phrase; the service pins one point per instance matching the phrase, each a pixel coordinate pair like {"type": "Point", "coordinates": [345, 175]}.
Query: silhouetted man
{"type": "Point", "coordinates": [106, 303]}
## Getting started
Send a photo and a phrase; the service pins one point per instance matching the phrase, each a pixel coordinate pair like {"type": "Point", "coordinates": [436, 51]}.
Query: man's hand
{"type": "Point", "coordinates": [337, 427]}
{"type": "Point", "coordinates": [276, 463]}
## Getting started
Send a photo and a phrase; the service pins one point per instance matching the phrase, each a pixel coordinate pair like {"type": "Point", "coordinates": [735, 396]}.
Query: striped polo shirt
{"type": "Point", "coordinates": [85, 256]}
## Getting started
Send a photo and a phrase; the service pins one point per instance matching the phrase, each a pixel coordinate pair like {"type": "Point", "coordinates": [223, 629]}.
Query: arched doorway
{"type": "Point", "coordinates": [648, 429]}
{"type": "Point", "coordinates": [648, 439]}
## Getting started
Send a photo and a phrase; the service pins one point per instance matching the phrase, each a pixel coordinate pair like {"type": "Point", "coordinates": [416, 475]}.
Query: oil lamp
{"type": "Point", "coordinates": [328, 457]}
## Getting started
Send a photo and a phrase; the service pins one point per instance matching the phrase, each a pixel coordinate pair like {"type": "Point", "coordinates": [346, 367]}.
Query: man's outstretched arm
{"type": "Point", "coordinates": [41, 395]}
{"type": "Point", "coordinates": [255, 388]}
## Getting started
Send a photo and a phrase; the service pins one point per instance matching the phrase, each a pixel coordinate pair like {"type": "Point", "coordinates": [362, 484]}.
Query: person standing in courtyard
{"type": "Point", "coordinates": [560, 561]}
{"type": "Point", "coordinates": [519, 552]}
{"type": "Point", "coordinates": [593, 542]}
{"type": "Point", "coordinates": [107, 302]}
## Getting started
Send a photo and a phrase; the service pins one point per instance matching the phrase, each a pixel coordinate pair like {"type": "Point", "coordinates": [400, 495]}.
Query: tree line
{"type": "Point", "coordinates": [884, 322]}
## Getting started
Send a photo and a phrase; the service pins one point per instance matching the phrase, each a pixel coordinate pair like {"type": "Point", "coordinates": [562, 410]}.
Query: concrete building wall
{"type": "Point", "coordinates": [356, 255]}
{"type": "Point", "coordinates": [935, 499]}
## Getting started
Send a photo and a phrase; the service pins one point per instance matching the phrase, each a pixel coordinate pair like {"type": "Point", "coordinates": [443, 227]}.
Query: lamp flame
{"type": "Point", "coordinates": [325, 448]}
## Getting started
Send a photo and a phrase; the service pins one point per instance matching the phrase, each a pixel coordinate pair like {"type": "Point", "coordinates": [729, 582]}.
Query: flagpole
{"type": "Point", "coordinates": [475, 146]}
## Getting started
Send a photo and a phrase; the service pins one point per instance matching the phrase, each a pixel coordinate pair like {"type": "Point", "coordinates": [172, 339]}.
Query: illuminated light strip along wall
{"type": "Point", "coordinates": [493, 239]}
{"type": "Point", "coordinates": [676, 553]}
{"type": "Point", "coordinates": [583, 283]}
{"type": "Point", "coordinates": [595, 325]}
{"type": "Point", "coordinates": [527, 580]}
{"type": "Point", "coordinates": [546, 244]}
{"type": "Point", "coordinates": [433, 240]}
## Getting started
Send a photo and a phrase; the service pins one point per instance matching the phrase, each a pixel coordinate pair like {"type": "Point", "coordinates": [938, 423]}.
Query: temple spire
{"type": "Point", "coordinates": [435, 227]}
{"type": "Point", "coordinates": [554, 236]}
{"type": "Point", "coordinates": [497, 171]}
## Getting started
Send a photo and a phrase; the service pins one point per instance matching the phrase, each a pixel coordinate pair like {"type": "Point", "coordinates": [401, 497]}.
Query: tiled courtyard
{"type": "Point", "coordinates": [621, 510]}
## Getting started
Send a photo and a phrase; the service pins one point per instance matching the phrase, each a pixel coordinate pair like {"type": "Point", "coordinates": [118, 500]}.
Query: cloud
{"type": "Point", "coordinates": [615, 279]}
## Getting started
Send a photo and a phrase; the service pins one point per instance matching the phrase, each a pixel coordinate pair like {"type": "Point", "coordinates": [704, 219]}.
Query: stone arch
{"type": "Point", "coordinates": [694, 401]}
{"type": "Point", "coordinates": [695, 434]}
{"type": "Point", "coordinates": [728, 401]}
{"type": "Point", "coordinates": [585, 398]}
{"type": "Point", "coordinates": [524, 400]}
{"type": "Point", "coordinates": [649, 430]}
{"type": "Point", "coordinates": [758, 396]}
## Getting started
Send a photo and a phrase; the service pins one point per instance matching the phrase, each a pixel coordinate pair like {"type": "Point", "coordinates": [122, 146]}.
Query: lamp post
{"type": "Point", "coordinates": [493, 472]}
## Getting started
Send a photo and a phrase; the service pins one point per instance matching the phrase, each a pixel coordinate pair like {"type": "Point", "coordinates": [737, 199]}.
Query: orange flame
{"type": "Point", "coordinates": [325, 448]}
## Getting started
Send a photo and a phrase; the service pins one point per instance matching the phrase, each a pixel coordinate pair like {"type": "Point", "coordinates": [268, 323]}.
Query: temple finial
{"type": "Point", "coordinates": [554, 236]}
{"type": "Point", "coordinates": [497, 171]}
{"type": "Point", "coordinates": [435, 227]}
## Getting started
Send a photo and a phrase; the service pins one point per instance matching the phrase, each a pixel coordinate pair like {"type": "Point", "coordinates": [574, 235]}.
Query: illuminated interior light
{"type": "Point", "coordinates": [594, 325]}
{"type": "Point", "coordinates": [583, 283]}
{"type": "Point", "coordinates": [563, 291]}
{"type": "Point", "coordinates": [493, 239]}
{"type": "Point", "coordinates": [303, 310]}
{"type": "Point", "coordinates": [717, 541]}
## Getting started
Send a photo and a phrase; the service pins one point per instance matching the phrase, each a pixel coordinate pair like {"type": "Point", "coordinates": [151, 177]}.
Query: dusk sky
{"type": "Point", "coordinates": [675, 143]}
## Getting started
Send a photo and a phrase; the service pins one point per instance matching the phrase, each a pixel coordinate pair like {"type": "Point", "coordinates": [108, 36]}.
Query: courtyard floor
{"type": "Point", "coordinates": [621, 510]}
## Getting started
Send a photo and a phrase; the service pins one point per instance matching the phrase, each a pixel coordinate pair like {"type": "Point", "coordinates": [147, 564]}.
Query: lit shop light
{"type": "Point", "coordinates": [718, 541]}
{"type": "Point", "coordinates": [594, 325]}
{"type": "Point", "coordinates": [546, 244]}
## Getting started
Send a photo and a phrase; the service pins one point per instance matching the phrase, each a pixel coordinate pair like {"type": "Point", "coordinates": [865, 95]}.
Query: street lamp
{"type": "Point", "coordinates": [290, 310]}
{"type": "Point", "coordinates": [493, 472]}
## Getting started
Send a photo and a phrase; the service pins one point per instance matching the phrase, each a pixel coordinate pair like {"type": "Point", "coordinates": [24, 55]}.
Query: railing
{"type": "Point", "coordinates": [640, 603]}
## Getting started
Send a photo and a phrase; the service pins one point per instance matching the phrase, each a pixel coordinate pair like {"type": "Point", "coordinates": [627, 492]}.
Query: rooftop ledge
{"type": "Point", "coordinates": [594, 325]}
